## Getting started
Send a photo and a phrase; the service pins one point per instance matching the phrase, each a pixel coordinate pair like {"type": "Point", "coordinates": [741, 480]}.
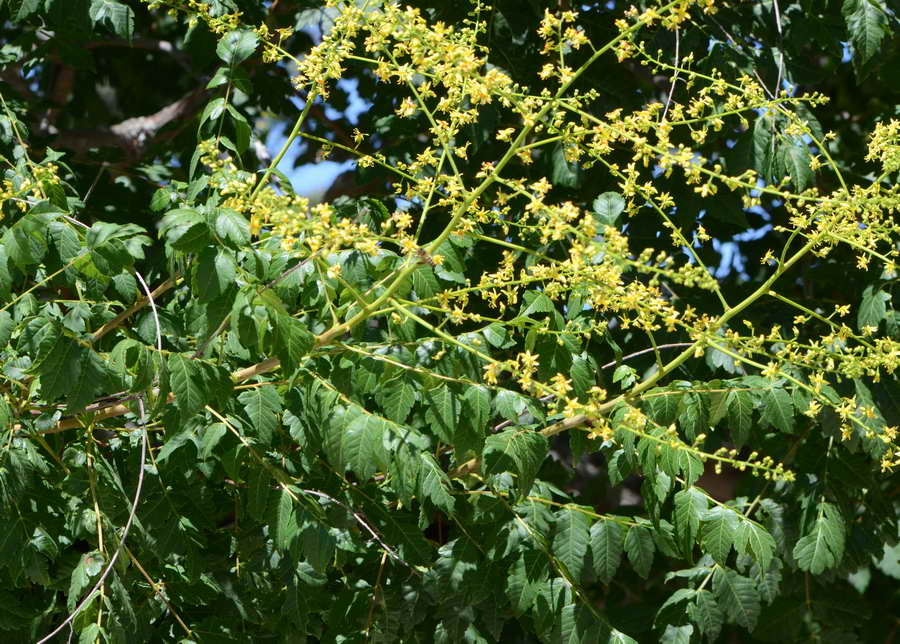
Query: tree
{"type": "Point", "coordinates": [594, 343]}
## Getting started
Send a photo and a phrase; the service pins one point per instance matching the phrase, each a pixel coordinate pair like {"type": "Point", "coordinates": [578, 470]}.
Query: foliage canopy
{"type": "Point", "coordinates": [595, 340]}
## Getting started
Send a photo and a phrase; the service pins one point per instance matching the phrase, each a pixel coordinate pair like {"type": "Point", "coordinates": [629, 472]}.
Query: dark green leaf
{"type": "Point", "coordinates": [606, 547]}
{"type": "Point", "coordinates": [717, 534]}
{"type": "Point", "coordinates": [262, 406]}
{"type": "Point", "coordinates": [823, 546]}
{"type": "Point", "coordinates": [515, 450]}
{"type": "Point", "coordinates": [737, 597]}
{"type": "Point", "coordinates": [640, 548]}
{"type": "Point", "coordinates": [570, 541]}
{"type": "Point", "coordinates": [867, 25]}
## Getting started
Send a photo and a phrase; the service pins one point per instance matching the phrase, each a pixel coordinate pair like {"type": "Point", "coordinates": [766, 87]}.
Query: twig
{"type": "Point", "coordinates": [137, 306]}
{"type": "Point", "coordinates": [142, 421]}
{"type": "Point", "coordinates": [109, 566]}
{"type": "Point", "coordinates": [152, 310]}
{"type": "Point", "coordinates": [677, 72]}
{"type": "Point", "coordinates": [361, 521]}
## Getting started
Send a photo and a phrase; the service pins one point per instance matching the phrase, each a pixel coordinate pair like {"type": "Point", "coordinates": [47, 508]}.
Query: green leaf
{"type": "Point", "coordinates": [286, 526]}
{"type": "Point", "coordinates": [357, 444]}
{"type": "Point", "coordinates": [607, 208]}
{"type": "Point", "coordinates": [823, 546]}
{"type": "Point", "coordinates": [639, 547]}
{"type": "Point", "coordinates": [867, 25]}
{"type": "Point", "coordinates": [706, 614]}
{"type": "Point", "coordinates": [89, 566]}
{"type": "Point", "coordinates": [570, 541]}
{"type": "Point", "coordinates": [262, 406]}
{"type": "Point", "coordinates": [535, 302]}
{"type": "Point", "coordinates": [717, 533]}
{"type": "Point", "coordinates": [434, 484]}
{"type": "Point", "coordinates": [525, 579]}
{"type": "Point", "coordinates": [751, 538]}
{"type": "Point", "coordinates": [232, 227]}
{"type": "Point", "coordinates": [795, 158]}
{"type": "Point", "coordinates": [737, 597]}
{"type": "Point", "coordinates": [477, 407]}
{"type": "Point", "coordinates": [690, 505]}
{"type": "Point", "coordinates": [677, 634]}
{"type": "Point", "coordinates": [873, 307]}
{"type": "Point", "coordinates": [259, 489]}
{"type": "Point", "coordinates": [763, 148]}
{"type": "Point", "coordinates": [606, 547]}
{"type": "Point", "coordinates": [662, 405]}
{"type": "Point", "coordinates": [214, 274]}
{"type": "Point", "coordinates": [292, 341]}
{"type": "Point", "coordinates": [398, 398]}
{"type": "Point", "coordinates": [236, 46]}
{"type": "Point", "coordinates": [119, 16]}
{"type": "Point", "coordinates": [777, 408]}
{"type": "Point", "coordinates": [693, 415]}
{"type": "Point", "coordinates": [520, 451]}
{"type": "Point", "coordinates": [61, 369]}
{"type": "Point", "coordinates": [187, 385]}
{"type": "Point", "coordinates": [442, 412]}
{"type": "Point", "coordinates": [562, 172]}
{"type": "Point", "coordinates": [740, 415]}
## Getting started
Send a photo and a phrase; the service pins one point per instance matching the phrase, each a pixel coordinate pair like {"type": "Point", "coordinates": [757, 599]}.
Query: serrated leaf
{"type": "Point", "coordinates": [89, 566]}
{"type": "Point", "coordinates": [236, 46]}
{"type": "Point", "coordinates": [570, 541]}
{"type": "Point", "coordinates": [526, 576]}
{"type": "Point", "coordinates": [61, 369]}
{"type": "Point", "coordinates": [751, 538]}
{"type": "Point", "coordinates": [690, 505]}
{"type": "Point", "coordinates": [639, 547]}
{"type": "Point", "coordinates": [535, 302]}
{"type": "Point", "coordinates": [872, 308]}
{"type": "Point", "coordinates": [607, 540]}
{"type": "Point", "coordinates": [442, 412]}
{"type": "Point", "coordinates": [706, 614]}
{"type": "Point", "coordinates": [693, 415]}
{"type": "Point", "coordinates": [777, 408]}
{"type": "Point", "coordinates": [232, 227]}
{"type": "Point", "coordinates": [434, 484]}
{"type": "Point", "coordinates": [119, 16]}
{"type": "Point", "coordinates": [767, 581]}
{"type": "Point", "coordinates": [398, 399]}
{"type": "Point", "coordinates": [763, 148]}
{"type": "Point", "coordinates": [259, 485]}
{"type": "Point", "coordinates": [515, 450]}
{"type": "Point", "coordinates": [262, 406]}
{"type": "Point", "coordinates": [795, 158]}
{"type": "Point", "coordinates": [608, 207]}
{"type": "Point", "coordinates": [318, 546]}
{"type": "Point", "coordinates": [823, 546]}
{"type": "Point", "coordinates": [740, 415]}
{"type": "Point", "coordinates": [187, 385]}
{"type": "Point", "coordinates": [214, 274]}
{"type": "Point", "coordinates": [867, 25]}
{"type": "Point", "coordinates": [690, 466]}
{"type": "Point", "coordinates": [292, 341]}
{"type": "Point", "coordinates": [477, 407]}
{"type": "Point", "coordinates": [677, 634]}
{"type": "Point", "coordinates": [357, 444]}
{"type": "Point", "coordinates": [286, 527]}
{"type": "Point", "coordinates": [737, 597]}
{"type": "Point", "coordinates": [717, 533]}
